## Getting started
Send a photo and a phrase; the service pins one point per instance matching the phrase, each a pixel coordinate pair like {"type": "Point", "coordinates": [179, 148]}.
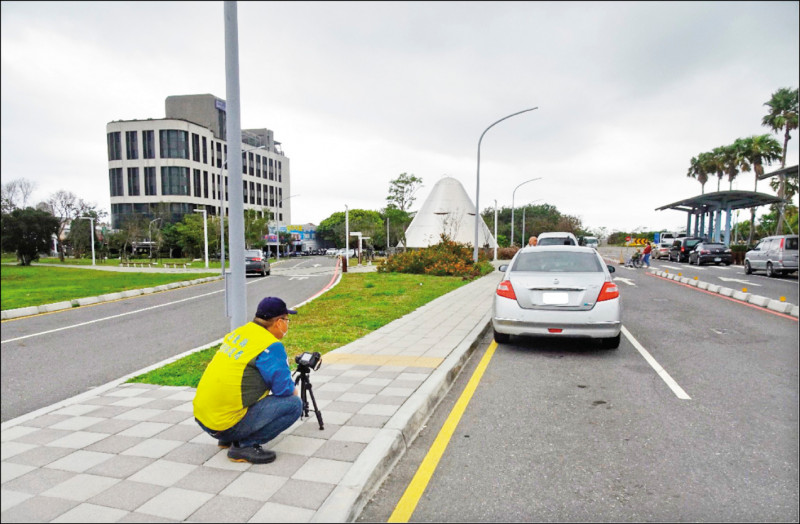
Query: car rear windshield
{"type": "Point", "coordinates": [692, 243]}
{"type": "Point", "coordinates": [791, 243]}
{"type": "Point", "coordinates": [252, 253]}
{"type": "Point", "coordinates": [558, 261]}
{"type": "Point", "coordinates": [714, 246]}
{"type": "Point", "coordinates": [556, 241]}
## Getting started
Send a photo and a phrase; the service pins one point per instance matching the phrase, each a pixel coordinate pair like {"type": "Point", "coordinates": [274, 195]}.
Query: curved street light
{"type": "Point", "coordinates": [512, 206]}
{"type": "Point", "coordinates": [478, 185]}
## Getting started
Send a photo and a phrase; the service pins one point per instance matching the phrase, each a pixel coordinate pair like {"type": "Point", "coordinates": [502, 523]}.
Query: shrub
{"type": "Point", "coordinates": [447, 258]}
{"type": "Point", "coordinates": [507, 253]}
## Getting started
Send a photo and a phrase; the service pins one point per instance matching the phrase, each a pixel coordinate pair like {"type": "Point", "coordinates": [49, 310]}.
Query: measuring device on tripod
{"type": "Point", "coordinates": [306, 362]}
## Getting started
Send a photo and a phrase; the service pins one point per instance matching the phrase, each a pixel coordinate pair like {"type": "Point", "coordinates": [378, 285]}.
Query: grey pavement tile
{"type": "Point", "coordinates": [44, 421]}
{"type": "Point", "coordinates": [43, 436]}
{"type": "Point", "coordinates": [340, 450]}
{"type": "Point", "coordinates": [391, 375]}
{"type": "Point", "coordinates": [335, 417]}
{"type": "Point", "coordinates": [284, 466]}
{"type": "Point", "coordinates": [181, 432]}
{"type": "Point", "coordinates": [226, 509]}
{"type": "Point", "coordinates": [111, 426]}
{"type": "Point", "coordinates": [171, 417]}
{"type": "Point", "coordinates": [175, 503]}
{"type": "Point", "coordinates": [164, 404]}
{"type": "Point", "coordinates": [145, 429]}
{"type": "Point", "coordinates": [358, 371]}
{"type": "Point", "coordinates": [419, 371]}
{"type": "Point", "coordinates": [38, 481]}
{"type": "Point", "coordinates": [220, 460]}
{"type": "Point", "coordinates": [369, 421]}
{"type": "Point", "coordinates": [162, 473]}
{"type": "Point", "coordinates": [327, 394]}
{"type": "Point", "coordinates": [310, 428]}
{"type": "Point", "coordinates": [375, 381]}
{"type": "Point", "coordinates": [349, 396]}
{"type": "Point", "coordinates": [153, 448]}
{"type": "Point", "coordinates": [80, 487]}
{"type": "Point", "coordinates": [109, 411]}
{"type": "Point", "coordinates": [38, 509]}
{"type": "Point", "coordinates": [272, 512]}
{"type": "Point", "coordinates": [100, 401]}
{"type": "Point", "coordinates": [336, 386]}
{"type": "Point", "coordinates": [76, 410]}
{"type": "Point", "coordinates": [114, 444]}
{"type": "Point", "coordinates": [80, 460]}
{"type": "Point", "coordinates": [347, 407]}
{"type": "Point", "coordinates": [324, 470]}
{"type": "Point", "coordinates": [355, 434]}
{"type": "Point", "coordinates": [124, 392]}
{"type": "Point", "coordinates": [141, 517]}
{"type": "Point", "coordinates": [158, 393]}
{"type": "Point", "coordinates": [39, 456]}
{"type": "Point", "coordinates": [127, 495]}
{"type": "Point", "coordinates": [256, 486]}
{"type": "Point", "coordinates": [396, 392]}
{"type": "Point", "coordinates": [133, 402]}
{"type": "Point", "coordinates": [299, 445]}
{"type": "Point", "coordinates": [16, 432]}
{"type": "Point", "coordinates": [10, 471]}
{"type": "Point", "coordinates": [140, 414]}
{"type": "Point", "coordinates": [91, 513]}
{"type": "Point", "coordinates": [9, 499]}
{"type": "Point", "coordinates": [302, 493]}
{"type": "Point", "coordinates": [344, 379]}
{"type": "Point", "coordinates": [120, 466]}
{"type": "Point", "coordinates": [406, 384]}
{"type": "Point", "coordinates": [76, 423]}
{"type": "Point", "coordinates": [378, 409]}
{"type": "Point", "coordinates": [208, 480]}
{"type": "Point", "coordinates": [190, 453]}
{"type": "Point", "coordinates": [391, 400]}
{"type": "Point", "coordinates": [78, 439]}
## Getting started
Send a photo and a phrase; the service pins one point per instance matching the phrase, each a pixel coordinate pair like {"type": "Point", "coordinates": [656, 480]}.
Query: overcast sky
{"type": "Point", "coordinates": [359, 92]}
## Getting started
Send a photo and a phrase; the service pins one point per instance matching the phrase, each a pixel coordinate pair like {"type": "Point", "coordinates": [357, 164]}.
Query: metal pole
{"type": "Point", "coordinates": [513, 194]}
{"type": "Point", "coordinates": [222, 217]}
{"type": "Point", "coordinates": [238, 299]}
{"type": "Point", "coordinates": [478, 185]}
{"type": "Point", "coordinates": [205, 231]}
{"type": "Point", "coordinates": [346, 232]}
{"type": "Point", "coordinates": [91, 225]}
{"type": "Point", "coordinates": [522, 238]}
{"type": "Point", "coordinates": [495, 229]}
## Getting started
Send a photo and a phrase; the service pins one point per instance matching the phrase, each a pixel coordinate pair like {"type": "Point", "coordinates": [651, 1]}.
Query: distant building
{"type": "Point", "coordinates": [447, 210]}
{"type": "Point", "coordinates": [174, 165]}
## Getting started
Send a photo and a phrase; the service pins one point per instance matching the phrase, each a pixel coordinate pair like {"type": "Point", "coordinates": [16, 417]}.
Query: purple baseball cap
{"type": "Point", "coordinates": [271, 307]}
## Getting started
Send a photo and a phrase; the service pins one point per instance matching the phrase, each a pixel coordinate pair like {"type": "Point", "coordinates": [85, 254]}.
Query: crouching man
{"type": "Point", "coordinates": [246, 396]}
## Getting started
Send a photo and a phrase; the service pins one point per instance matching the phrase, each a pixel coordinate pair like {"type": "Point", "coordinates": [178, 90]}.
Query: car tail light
{"type": "Point", "coordinates": [704, 252]}
{"type": "Point", "coordinates": [554, 330]}
{"type": "Point", "coordinates": [256, 259]}
{"type": "Point", "coordinates": [782, 243]}
{"type": "Point", "coordinates": [683, 249]}
{"type": "Point", "coordinates": [609, 291]}
{"type": "Point", "coordinates": [506, 290]}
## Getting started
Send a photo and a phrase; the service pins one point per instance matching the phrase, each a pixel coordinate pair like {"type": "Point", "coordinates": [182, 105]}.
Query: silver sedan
{"type": "Point", "coordinates": [558, 291]}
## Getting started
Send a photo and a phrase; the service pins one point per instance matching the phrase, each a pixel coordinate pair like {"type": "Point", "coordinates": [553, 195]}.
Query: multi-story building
{"type": "Point", "coordinates": [169, 167]}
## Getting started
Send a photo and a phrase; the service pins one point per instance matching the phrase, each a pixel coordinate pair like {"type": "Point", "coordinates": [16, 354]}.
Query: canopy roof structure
{"type": "Point", "coordinates": [447, 210]}
{"type": "Point", "coordinates": [787, 171]}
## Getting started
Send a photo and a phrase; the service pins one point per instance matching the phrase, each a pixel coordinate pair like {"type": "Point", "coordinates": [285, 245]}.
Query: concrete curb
{"type": "Point", "coordinates": [390, 444]}
{"type": "Point", "coordinates": [786, 308]}
{"type": "Point", "coordinates": [78, 302]}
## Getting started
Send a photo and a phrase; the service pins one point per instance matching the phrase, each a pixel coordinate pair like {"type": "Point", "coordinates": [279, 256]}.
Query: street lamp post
{"type": "Point", "coordinates": [278, 228]}
{"type": "Point", "coordinates": [495, 229]}
{"type": "Point", "coordinates": [205, 231]}
{"type": "Point", "coordinates": [91, 227]}
{"type": "Point", "coordinates": [478, 184]}
{"type": "Point", "coordinates": [512, 205]}
{"type": "Point", "coordinates": [522, 239]}
{"type": "Point", "coordinates": [150, 236]}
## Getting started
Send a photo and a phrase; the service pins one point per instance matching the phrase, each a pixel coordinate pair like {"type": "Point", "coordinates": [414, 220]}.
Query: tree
{"type": "Point", "coordinates": [28, 232]}
{"type": "Point", "coordinates": [755, 150]}
{"type": "Point", "coordinates": [255, 227]}
{"type": "Point", "coordinates": [15, 194]}
{"type": "Point", "coordinates": [190, 234]}
{"type": "Point", "coordinates": [401, 191]}
{"type": "Point", "coordinates": [80, 236]}
{"type": "Point", "coordinates": [782, 116]}
{"type": "Point", "coordinates": [696, 171]}
{"type": "Point", "coordinates": [332, 229]}
{"type": "Point", "coordinates": [66, 206]}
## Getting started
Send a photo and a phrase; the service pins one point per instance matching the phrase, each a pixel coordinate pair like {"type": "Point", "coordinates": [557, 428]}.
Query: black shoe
{"type": "Point", "coordinates": [223, 444]}
{"type": "Point", "coordinates": [253, 454]}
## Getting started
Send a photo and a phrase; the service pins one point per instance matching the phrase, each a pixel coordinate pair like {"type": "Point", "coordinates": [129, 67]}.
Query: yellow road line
{"type": "Point", "coordinates": [408, 502]}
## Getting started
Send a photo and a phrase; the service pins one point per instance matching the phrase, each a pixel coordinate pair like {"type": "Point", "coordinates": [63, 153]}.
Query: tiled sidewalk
{"type": "Point", "coordinates": [133, 453]}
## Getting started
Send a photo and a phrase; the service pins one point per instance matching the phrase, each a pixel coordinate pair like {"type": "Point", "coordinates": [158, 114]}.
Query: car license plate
{"type": "Point", "coordinates": [555, 299]}
{"type": "Point", "coordinates": [717, 259]}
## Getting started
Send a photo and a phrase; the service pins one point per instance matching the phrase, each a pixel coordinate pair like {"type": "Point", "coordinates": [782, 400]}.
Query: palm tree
{"type": "Point", "coordinates": [697, 171]}
{"type": "Point", "coordinates": [782, 116]}
{"type": "Point", "coordinates": [716, 163]}
{"type": "Point", "coordinates": [755, 150]}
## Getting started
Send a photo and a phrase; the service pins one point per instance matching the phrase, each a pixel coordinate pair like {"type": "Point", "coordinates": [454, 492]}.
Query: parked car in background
{"type": "Point", "coordinates": [662, 250]}
{"type": "Point", "coordinates": [560, 238]}
{"type": "Point", "coordinates": [679, 252]}
{"type": "Point", "coordinates": [256, 262]}
{"type": "Point", "coordinates": [711, 252]}
{"type": "Point", "coordinates": [777, 255]}
{"type": "Point", "coordinates": [590, 242]}
{"type": "Point", "coordinates": [558, 291]}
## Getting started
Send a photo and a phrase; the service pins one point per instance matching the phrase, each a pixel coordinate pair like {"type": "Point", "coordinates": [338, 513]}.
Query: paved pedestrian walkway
{"type": "Point", "coordinates": [133, 452]}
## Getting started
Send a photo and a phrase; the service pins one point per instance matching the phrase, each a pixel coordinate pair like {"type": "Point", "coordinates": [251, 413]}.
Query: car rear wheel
{"type": "Point", "coordinates": [747, 268]}
{"type": "Point", "coordinates": [501, 338]}
{"type": "Point", "coordinates": [770, 270]}
{"type": "Point", "coordinates": [610, 343]}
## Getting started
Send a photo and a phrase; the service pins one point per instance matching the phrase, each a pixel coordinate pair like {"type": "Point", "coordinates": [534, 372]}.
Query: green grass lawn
{"type": "Point", "coordinates": [359, 304]}
{"type": "Point", "coordinates": [23, 286]}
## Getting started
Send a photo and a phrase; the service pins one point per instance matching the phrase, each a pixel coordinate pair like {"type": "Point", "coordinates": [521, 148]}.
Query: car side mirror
{"type": "Point", "coordinates": [503, 268]}
{"type": "Point", "coordinates": [611, 269]}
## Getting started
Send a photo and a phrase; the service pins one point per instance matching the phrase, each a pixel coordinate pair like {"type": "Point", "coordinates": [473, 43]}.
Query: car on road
{"type": "Point", "coordinates": [711, 253]}
{"type": "Point", "coordinates": [590, 242]}
{"type": "Point", "coordinates": [557, 238]}
{"type": "Point", "coordinates": [662, 250]}
{"type": "Point", "coordinates": [777, 255]}
{"type": "Point", "coordinates": [681, 247]}
{"type": "Point", "coordinates": [558, 291]}
{"type": "Point", "coordinates": [256, 262]}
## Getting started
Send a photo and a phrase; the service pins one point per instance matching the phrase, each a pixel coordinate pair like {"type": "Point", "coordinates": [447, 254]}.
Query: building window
{"type": "Point", "coordinates": [197, 183]}
{"type": "Point", "coordinates": [258, 166]}
{"type": "Point", "coordinates": [132, 144]}
{"type": "Point", "coordinates": [114, 148]}
{"type": "Point", "coordinates": [271, 196]}
{"type": "Point", "coordinates": [205, 151]}
{"type": "Point", "coordinates": [205, 184]}
{"type": "Point", "coordinates": [219, 154]}
{"type": "Point", "coordinates": [133, 181]}
{"type": "Point", "coordinates": [244, 163]}
{"type": "Point", "coordinates": [244, 191]}
{"type": "Point", "coordinates": [115, 181]}
{"type": "Point", "coordinates": [280, 174]}
{"type": "Point", "coordinates": [251, 164]}
{"type": "Point", "coordinates": [174, 180]}
{"type": "Point", "coordinates": [150, 181]}
{"type": "Point", "coordinates": [259, 194]}
{"type": "Point", "coordinates": [195, 147]}
{"type": "Point", "coordinates": [149, 149]}
{"type": "Point", "coordinates": [174, 143]}
{"type": "Point", "coordinates": [252, 192]}
{"type": "Point", "coordinates": [280, 197]}
{"type": "Point", "coordinates": [271, 172]}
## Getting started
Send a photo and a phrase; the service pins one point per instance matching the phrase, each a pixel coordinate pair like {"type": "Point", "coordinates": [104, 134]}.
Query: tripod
{"type": "Point", "coordinates": [306, 388]}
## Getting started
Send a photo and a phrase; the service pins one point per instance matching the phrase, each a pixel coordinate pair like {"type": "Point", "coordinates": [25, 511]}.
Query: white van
{"type": "Point", "coordinates": [590, 242]}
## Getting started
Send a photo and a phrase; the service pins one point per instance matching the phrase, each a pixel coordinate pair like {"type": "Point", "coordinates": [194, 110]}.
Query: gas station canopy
{"type": "Point", "coordinates": [722, 200]}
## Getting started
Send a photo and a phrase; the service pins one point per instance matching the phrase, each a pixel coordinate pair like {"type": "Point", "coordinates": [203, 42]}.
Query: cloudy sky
{"type": "Point", "coordinates": [359, 92]}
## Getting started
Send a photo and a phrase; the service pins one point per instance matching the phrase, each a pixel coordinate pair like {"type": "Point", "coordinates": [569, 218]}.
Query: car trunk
{"type": "Point", "coordinates": [557, 291]}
